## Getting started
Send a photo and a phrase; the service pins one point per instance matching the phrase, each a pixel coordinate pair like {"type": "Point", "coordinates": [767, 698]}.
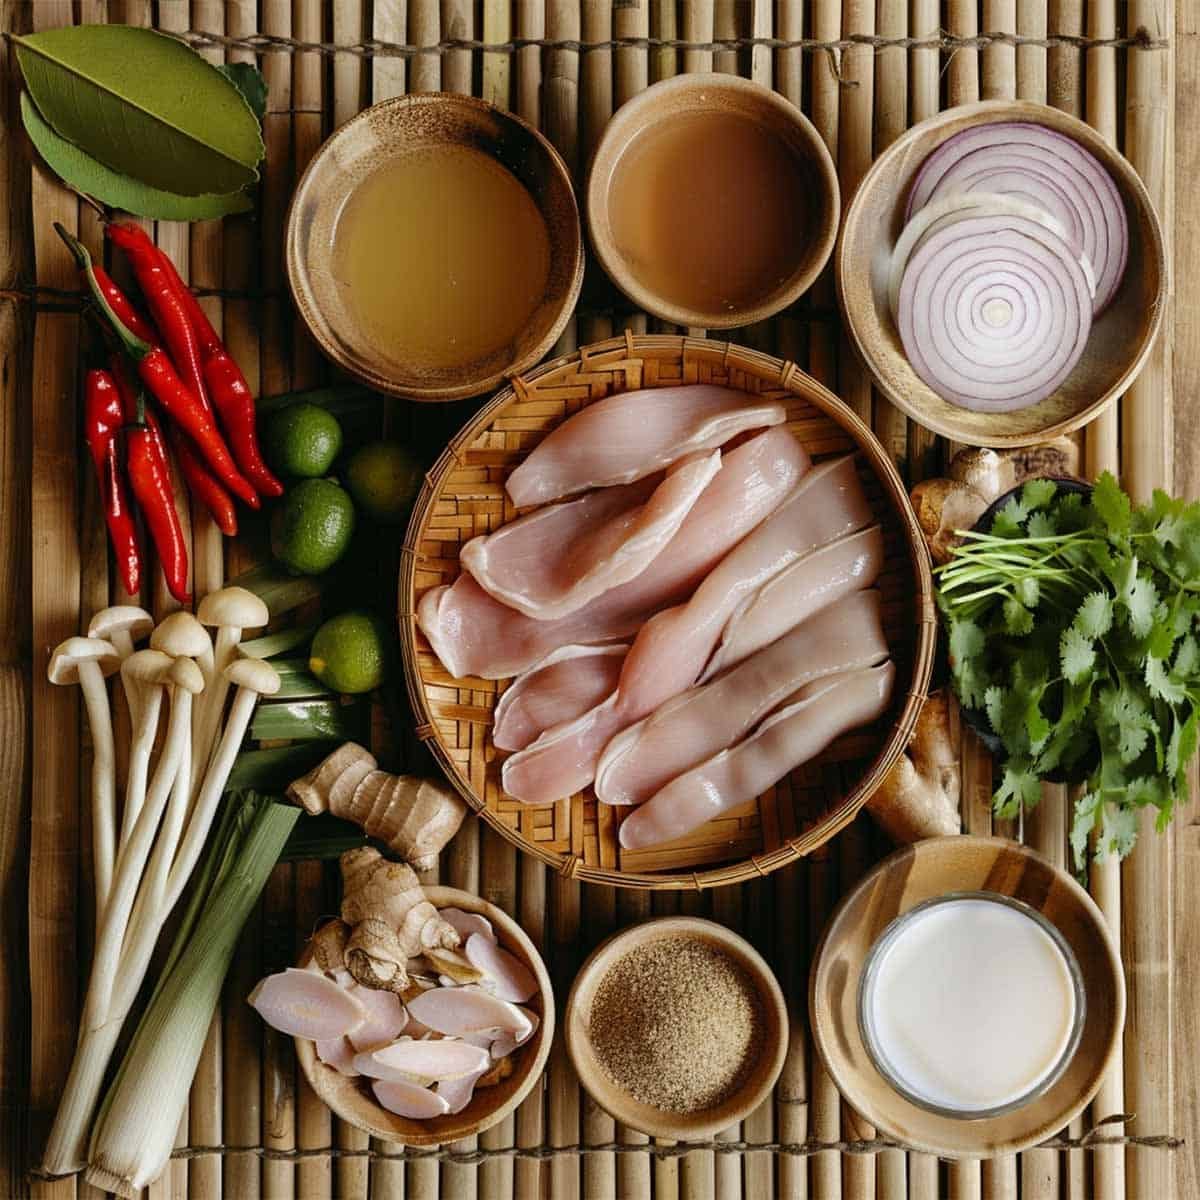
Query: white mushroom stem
{"type": "Point", "coordinates": [228, 637]}
{"type": "Point", "coordinates": [104, 780]}
{"type": "Point", "coordinates": [145, 730]}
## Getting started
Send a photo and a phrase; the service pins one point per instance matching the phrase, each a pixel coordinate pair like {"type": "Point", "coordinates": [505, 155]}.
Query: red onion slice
{"type": "Point", "coordinates": [994, 311]}
{"type": "Point", "coordinates": [1039, 166]}
{"type": "Point", "coordinates": [945, 211]}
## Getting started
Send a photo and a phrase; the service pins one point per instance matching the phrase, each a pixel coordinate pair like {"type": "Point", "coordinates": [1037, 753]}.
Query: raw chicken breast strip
{"type": "Point", "coordinates": [474, 635]}
{"type": "Point", "coordinates": [551, 562]}
{"type": "Point", "coordinates": [564, 758]}
{"type": "Point", "coordinates": [822, 711]}
{"type": "Point", "coordinates": [794, 594]}
{"type": "Point", "coordinates": [559, 688]}
{"type": "Point", "coordinates": [713, 716]}
{"type": "Point", "coordinates": [633, 434]}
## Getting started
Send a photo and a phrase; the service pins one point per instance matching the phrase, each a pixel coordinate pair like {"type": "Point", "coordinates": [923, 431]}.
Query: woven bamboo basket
{"type": "Point", "coordinates": [464, 496]}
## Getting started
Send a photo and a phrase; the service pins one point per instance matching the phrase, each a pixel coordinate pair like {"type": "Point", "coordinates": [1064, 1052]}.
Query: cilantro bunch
{"type": "Point", "coordinates": [1074, 627]}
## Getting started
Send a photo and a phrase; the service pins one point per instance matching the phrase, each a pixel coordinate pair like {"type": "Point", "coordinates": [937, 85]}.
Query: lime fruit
{"type": "Point", "coordinates": [302, 440]}
{"type": "Point", "coordinates": [351, 653]}
{"type": "Point", "coordinates": [311, 527]}
{"type": "Point", "coordinates": [383, 478]}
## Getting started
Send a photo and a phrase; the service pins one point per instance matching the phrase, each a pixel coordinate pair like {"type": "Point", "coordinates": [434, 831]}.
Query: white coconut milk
{"type": "Point", "coordinates": [970, 1006]}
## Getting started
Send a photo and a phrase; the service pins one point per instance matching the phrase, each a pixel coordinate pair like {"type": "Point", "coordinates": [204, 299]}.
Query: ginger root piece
{"type": "Point", "coordinates": [919, 796]}
{"type": "Point", "coordinates": [329, 946]}
{"type": "Point", "coordinates": [414, 818]}
{"type": "Point", "coordinates": [943, 506]}
{"type": "Point", "coordinates": [390, 919]}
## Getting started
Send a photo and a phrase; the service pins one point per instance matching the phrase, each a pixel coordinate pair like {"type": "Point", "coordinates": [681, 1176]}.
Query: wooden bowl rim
{"type": "Point", "coordinates": [630, 120]}
{"type": "Point", "coordinates": [377, 380]}
{"type": "Point", "coordinates": [989, 112]}
{"type": "Point", "coordinates": [881, 1118]}
{"type": "Point", "coordinates": [790, 377]}
{"type": "Point", "coordinates": [680, 1126]}
{"type": "Point", "coordinates": [324, 1080]}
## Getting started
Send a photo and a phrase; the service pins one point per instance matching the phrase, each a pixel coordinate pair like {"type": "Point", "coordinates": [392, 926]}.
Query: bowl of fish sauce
{"type": "Point", "coordinates": [433, 246]}
{"type": "Point", "coordinates": [712, 201]}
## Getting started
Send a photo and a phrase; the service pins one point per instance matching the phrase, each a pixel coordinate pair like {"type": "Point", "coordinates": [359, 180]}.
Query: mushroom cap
{"type": "Point", "coordinates": [255, 674]}
{"type": "Point", "coordinates": [67, 657]}
{"type": "Point", "coordinates": [121, 618]}
{"type": "Point", "coordinates": [181, 634]}
{"type": "Point", "coordinates": [233, 606]}
{"type": "Point", "coordinates": [147, 666]}
{"type": "Point", "coordinates": [186, 674]}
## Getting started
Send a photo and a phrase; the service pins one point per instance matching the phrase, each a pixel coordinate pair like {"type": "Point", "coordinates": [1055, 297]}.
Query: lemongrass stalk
{"type": "Point", "coordinates": [136, 1127]}
{"type": "Point", "coordinates": [304, 719]}
{"type": "Point", "coordinates": [278, 590]}
{"type": "Point", "coordinates": [278, 643]}
{"type": "Point", "coordinates": [272, 770]}
{"type": "Point", "coordinates": [297, 682]}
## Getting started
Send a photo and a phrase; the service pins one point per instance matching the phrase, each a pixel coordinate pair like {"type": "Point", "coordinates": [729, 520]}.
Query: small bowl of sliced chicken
{"type": "Point", "coordinates": [446, 1041]}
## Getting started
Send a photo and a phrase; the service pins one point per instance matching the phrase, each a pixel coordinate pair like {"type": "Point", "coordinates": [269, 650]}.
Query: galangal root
{"type": "Point", "coordinates": [414, 818]}
{"type": "Point", "coordinates": [919, 796]}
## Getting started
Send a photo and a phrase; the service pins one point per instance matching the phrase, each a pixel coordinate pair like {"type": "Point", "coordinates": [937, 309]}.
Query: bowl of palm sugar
{"type": "Point", "coordinates": [677, 1027]}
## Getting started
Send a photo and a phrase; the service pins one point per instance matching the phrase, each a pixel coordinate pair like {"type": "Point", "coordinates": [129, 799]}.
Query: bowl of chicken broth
{"type": "Point", "coordinates": [433, 246]}
{"type": "Point", "coordinates": [712, 201]}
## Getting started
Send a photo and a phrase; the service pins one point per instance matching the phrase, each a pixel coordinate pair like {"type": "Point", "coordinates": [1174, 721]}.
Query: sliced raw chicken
{"type": "Point", "coordinates": [707, 719]}
{"type": "Point", "coordinates": [821, 712]}
{"type": "Point", "coordinates": [806, 587]}
{"type": "Point", "coordinates": [633, 434]}
{"type": "Point", "coordinates": [563, 685]}
{"type": "Point", "coordinates": [473, 634]}
{"type": "Point", "coordinates": [551, 562]}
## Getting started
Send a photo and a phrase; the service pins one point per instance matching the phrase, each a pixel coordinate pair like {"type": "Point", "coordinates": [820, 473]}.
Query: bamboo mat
{"type": "Point", "coordinates": [863, 71]}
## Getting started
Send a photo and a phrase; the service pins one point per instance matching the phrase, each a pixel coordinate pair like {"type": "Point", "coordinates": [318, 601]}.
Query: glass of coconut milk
{"type": "Point", "coordinates": [971, 1004]}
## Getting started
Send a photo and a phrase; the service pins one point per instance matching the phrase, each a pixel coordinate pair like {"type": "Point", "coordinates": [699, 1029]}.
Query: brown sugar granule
{"type": "Point", "coordinates": [677, 1024]}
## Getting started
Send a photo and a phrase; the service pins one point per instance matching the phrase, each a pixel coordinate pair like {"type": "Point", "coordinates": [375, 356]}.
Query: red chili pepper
{"type": "Point", "coordinates": [150, 478]}
{"type": "Point", "coordinates": [123, 307]}
{"type": "Point", "coordinates": [102, 421]}
{"type": "Point", "coordinates": [227, 387]}
{"type": "Point", "coordinates": [158, 374]}
{"type": "Point", "coordinates": [201, 483]}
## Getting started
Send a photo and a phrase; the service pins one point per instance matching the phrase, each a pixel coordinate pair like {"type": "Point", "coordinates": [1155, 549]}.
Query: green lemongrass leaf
{"type": "Point", "coordinates": [273, 769]}
{"type": "Point", "coordinates": [1078, 655]}
{"type": "Point", "coordinates": [1095, 616]}
{"type": "Point", "coordinates": [88, 175]}
{"type": "Point", "coordinates": [308, 720]}
{"type": "Point", "coordinates": [322, 837]}
{"type": "Point", "coordinates": [248, 80]}
{"type": "Point", "coordinates": [145, 105]}
{"type": "Point", "coordinates": [280, 591]}
{"type": "Point", "coordinates": [296, 681]}
{"type": "Point", "coordinates": [272, 644]}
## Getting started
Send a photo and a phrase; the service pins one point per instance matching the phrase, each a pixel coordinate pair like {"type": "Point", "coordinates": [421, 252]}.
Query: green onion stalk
{"type": "Point", "coordinates": [135, 1130]}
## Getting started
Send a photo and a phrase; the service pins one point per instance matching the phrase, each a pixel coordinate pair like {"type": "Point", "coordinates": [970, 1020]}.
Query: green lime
{"type": "Point", "coordinates": [351, 653]}
{"type": "Point", "coordinates": [311, 527]}
{"type": "Point", "coordinates": [302, 441]}
{"type": "Point", "coordinates": [383, 478]}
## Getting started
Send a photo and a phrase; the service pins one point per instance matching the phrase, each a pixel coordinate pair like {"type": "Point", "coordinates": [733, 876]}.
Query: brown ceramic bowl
{"type": "Point", "coordinates": [351, 1101]}
{"type": "Point", "coordinates": [358, 148]}
{"type": "Point", "coordinates": [620, 1104]}
{"type": "Point", "coordinates": [1120, 339]}
{"type": "Point", "coordinates": [687, 95]}
{"type": "Point", "coordinates": [931, 869]}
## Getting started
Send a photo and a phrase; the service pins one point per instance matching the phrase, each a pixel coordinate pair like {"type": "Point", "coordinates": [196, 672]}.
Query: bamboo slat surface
{"type": "Point", "coordinates": [252, 1129]}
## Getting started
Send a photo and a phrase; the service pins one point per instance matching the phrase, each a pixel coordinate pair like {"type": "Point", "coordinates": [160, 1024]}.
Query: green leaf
{"type": "Point", "coordinates": [1028, 591]}
{"type": "Point", "coordinates": [1111, 504]}
{"type": "Point", "coordinates": [1078, 655]}
{"type": "Point", "coordinates": [1118, 831]}
{"type": "Point", "coordinates": [1095, 616]}
{"type": "Point", "coordinates": [1018, 620]}
{"type": "Point", "coordinates": [86, 174]}
{"type": "Point", "coordinates": [1182, 745]}
{"type": "Point", "coordinates": [1037, 493]}
{"type": "Point", "coordinates": [1082, 824]}
{"type": "Point", "coordinates": [1162, 683]}
{"type": "Point", "coordinates": [248, 80]}
{"type": "Point", "coordinates": [1187, 658]}
{"type": "Point", "coordinates": [1019, 788]}
{"type": "Point", "coordinates": [1007, 522]}
{"type": "Point", "coordinates": [1041, 524]}
{"type": "Point", "coordinates": [144, 105]}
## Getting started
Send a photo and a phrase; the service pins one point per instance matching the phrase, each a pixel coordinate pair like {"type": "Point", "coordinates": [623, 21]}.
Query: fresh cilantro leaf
{"type": "Point", "coordinates": [1018, 620]}
{"type": "Point", "coordinates": [1187, 658]}
{"type": "Point", "coordinates": [1019, 788]}
{"type": "Point", "coordinates": [1041, 525]}
{"type": "Point", "coordinates": [1141, 602]}
{"type": "Point", "coordinates": [1037, 725]}
{"type": "Point", "coordinates": [1007, 522]}
{"type": "Point", "coordinates": [1111, 504]}
{"type": "Point", "coordinates": [1082, 824]}
{"type": "Point", "coordinates": [966, 640]}
{"type": "Point", "coordinates": [1146, 791]}
{"type": "Point", "coordinates": [1182, 744]}
{"type": "Point", "coordinates": [1037, 493]}
{"type": "Point", "coordinates": [1118, 831]}
{"type": "Point", "coordinates": [1095, 616]}
{"type": "Point", "coordinates": [1162, 682]}
{"type": "Point", "coordinates": [1161, 639]}
{"type": "Point", "coordinates": [1028, 591]}
{"type": "Point", "coordinates": [993, 702]}
{"type": "Point", "coordinates": [1078, 655]}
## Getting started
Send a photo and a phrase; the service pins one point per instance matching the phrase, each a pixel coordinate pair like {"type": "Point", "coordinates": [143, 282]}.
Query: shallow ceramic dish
{"type": "Point", "coordinates": [1120, 340]}
{"type": "Point", "coordinates": [348, 1098]}
{"type": "Point", "coordinates": [656, 1121]}
{"type": "Point", "coordinates": [689, 94]}
{"type": "Point", "coordinates": [359, 147]}
{"type": "Point", "coordinates": [902, 881]}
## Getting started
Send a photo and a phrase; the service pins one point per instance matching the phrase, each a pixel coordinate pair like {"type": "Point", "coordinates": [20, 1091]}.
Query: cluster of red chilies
{"type": "Point", "coordinates": [183, 368]}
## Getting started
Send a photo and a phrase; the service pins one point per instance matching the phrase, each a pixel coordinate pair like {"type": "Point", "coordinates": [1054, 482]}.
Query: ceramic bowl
{"type": "Point", "coordinates": [919, 873]}
{"type": "Point", "coordinates": [1120, 340]}
{"type": "Point", "coordinates": [686, 95]}
{"type": "Point", "coordinates": [351, 1101]}
{"type": "Point", "coordinates": [620, 1104]}
{"type": "Point", "coordinates": [359, 147]}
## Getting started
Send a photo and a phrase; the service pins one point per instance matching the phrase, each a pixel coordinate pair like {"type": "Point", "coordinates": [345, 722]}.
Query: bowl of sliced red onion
{"type": "Point", "coordinates": [453, 1054]}
{"type": "Point", "coordinates": [1001, 271]}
